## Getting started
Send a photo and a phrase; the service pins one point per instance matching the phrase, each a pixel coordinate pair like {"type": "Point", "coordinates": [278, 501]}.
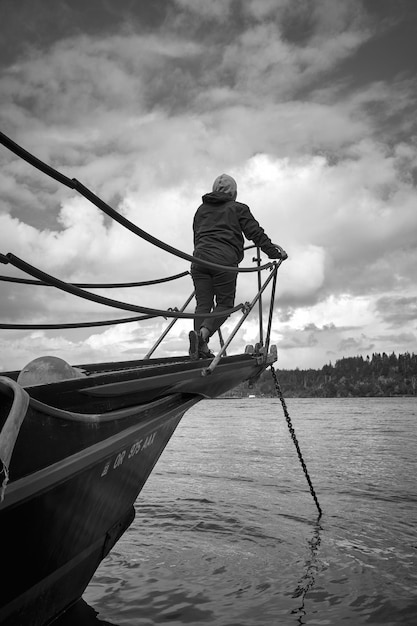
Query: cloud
{"type": "Point", "coordinates": [148, 116]}
{"type": "Point", "coordinates": [397, 310]}
{"type": "Point", "coordinates": [277, 69]}
{"type": "Point", "coordinates": [213, 10]}
{"type": "Point", "coordinates": [16, 353]}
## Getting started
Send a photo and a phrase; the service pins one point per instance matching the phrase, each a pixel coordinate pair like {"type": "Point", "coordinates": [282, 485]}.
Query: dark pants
{"type": "Point", "coordinates": [210, 284]}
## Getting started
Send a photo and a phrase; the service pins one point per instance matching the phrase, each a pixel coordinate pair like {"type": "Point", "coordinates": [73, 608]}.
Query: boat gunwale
{"type": "Point", "coordinates": [97, 418]}
{"type": "Point", "coordinates": [145, 368]}
{"type": "Point", "coordinates": [163, 379]}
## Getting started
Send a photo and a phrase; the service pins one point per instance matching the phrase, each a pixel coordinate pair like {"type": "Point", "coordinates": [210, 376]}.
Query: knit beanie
{"type": "Point", "coordinates": [225, 184]}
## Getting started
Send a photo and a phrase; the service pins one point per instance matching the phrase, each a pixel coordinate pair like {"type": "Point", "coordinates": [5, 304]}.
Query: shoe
{"type": "Point", "coordinates": [204, 351]}
{"type": "Point", "coordinates": [193, 350]}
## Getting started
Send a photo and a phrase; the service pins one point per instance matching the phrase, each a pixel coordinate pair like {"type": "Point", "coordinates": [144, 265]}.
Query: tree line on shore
{"type": "Point", "coordinates": [376, 375]}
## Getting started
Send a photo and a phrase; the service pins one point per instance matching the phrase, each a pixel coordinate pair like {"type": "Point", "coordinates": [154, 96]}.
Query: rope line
{"type": "Point", "coordinates": [117, 304]}
{"type": "Point", "coordinates": [142, 283]}
{"type": "Point", "coordinates": [124, 320]}
{"type": "Point", "coordinates": [294, 438]}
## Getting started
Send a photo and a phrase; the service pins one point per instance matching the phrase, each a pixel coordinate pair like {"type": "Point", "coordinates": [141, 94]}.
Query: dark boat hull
{"type": "Point", "coordinates": [71, 492]}
{"type": "Point", "coordinates": [65, 520]}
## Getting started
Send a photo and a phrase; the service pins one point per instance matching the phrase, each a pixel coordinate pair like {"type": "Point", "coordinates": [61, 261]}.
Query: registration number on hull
{"type": "Point", "coordinates": [129, 453]}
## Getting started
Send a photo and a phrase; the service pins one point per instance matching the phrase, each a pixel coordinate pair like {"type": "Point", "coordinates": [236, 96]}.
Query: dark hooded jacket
{"type": "Point", "coordinates": [219, 225]}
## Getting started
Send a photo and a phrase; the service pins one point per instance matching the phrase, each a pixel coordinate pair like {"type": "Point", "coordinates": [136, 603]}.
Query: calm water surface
{"type": "Point", "coordinates": [226, 530]}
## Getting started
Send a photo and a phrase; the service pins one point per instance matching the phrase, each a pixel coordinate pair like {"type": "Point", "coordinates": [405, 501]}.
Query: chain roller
{"type": "Point", "coordinates": [294, 438]}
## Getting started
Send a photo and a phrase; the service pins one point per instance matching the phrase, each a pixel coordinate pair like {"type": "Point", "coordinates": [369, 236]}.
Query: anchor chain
{"type": "Point", "coordinates": [294, 438]}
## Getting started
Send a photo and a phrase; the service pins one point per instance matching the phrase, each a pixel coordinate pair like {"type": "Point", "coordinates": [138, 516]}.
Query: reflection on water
{"type": "Point", "coordinates": [226, 531]}
{"type": "Point", "coordinates": [312, 568]}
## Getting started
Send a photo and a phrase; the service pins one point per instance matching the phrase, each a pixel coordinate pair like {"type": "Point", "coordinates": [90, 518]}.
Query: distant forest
{"type": "Point", "coordinates": [378, 375]}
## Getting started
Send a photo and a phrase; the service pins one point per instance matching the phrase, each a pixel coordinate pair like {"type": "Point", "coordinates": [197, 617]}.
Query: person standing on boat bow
{"type": "Point", "coordinates": [219, 226]}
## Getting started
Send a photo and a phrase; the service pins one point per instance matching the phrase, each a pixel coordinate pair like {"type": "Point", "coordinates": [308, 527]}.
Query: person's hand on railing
{"type": "Point", "coordinates": [279, 253]}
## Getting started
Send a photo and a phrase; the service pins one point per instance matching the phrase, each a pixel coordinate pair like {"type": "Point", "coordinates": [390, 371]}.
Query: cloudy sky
{"type": "Point", "coordinates": [309, 104]}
